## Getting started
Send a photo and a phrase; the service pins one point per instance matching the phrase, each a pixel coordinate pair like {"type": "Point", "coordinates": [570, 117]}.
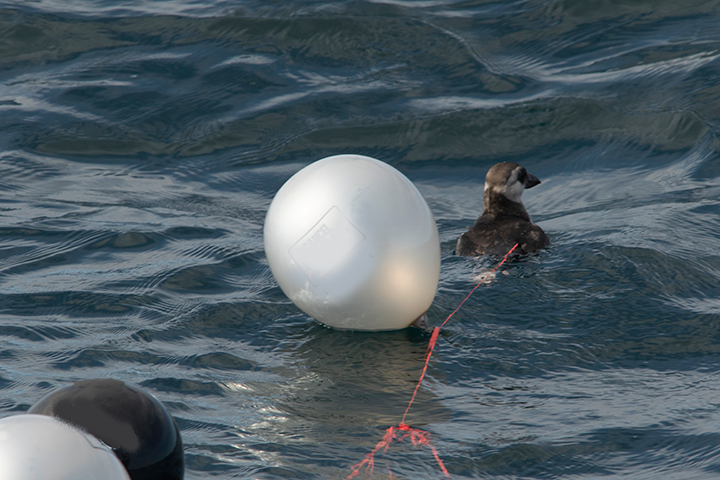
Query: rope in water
{"type": "Point", "coordinates": [417, 436]}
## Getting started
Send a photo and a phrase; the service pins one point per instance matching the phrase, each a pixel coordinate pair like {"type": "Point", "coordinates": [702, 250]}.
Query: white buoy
{"type": "Point", "coordinates": [353, 244]}
{"type": "Point", "coordinates": [37, 447]}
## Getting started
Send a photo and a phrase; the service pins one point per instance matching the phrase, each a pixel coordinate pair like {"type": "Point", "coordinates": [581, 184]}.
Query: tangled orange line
{"type": "Point", "coordinates": [417, 436]}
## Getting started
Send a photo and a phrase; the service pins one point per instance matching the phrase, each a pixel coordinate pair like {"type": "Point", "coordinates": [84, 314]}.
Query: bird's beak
{"type": "Point", "coordinates": [531, 181]}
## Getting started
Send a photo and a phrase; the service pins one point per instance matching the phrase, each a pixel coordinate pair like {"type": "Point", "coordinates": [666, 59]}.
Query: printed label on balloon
{"type": "Point", "coordinates": [326, 246]}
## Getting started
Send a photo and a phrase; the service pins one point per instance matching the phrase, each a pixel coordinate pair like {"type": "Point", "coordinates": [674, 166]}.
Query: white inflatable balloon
{"type": "Point", "coordinates": [353, 244]}
{"type": "Point", "coordinates": [37, 447]}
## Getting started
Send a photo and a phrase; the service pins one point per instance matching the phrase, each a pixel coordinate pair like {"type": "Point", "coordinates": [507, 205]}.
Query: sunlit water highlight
{"type": "Point", "coordinates": [142, 142]}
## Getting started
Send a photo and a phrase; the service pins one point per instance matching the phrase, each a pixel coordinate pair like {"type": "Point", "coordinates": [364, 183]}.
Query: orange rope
{"type": "Point", "coordinates": [417, 436]}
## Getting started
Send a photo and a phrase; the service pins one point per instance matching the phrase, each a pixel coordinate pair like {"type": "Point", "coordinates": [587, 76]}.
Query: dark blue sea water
{"type": "Point", "coordinates": [141, 143]}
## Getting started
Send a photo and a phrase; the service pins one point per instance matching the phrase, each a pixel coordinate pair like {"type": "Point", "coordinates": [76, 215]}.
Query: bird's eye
{"type": "Point", "coordinates": [521, 177]}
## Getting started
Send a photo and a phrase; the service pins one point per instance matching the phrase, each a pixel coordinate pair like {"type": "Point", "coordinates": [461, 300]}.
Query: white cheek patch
{"type": "Point", "coordinates": [512, 190]}
{"type": "Point", "coordinates": [515, 191]}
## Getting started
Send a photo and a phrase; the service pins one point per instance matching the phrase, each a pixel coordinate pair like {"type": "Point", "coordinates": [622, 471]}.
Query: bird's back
{"type": "Point", "coordinates": [496, 235]}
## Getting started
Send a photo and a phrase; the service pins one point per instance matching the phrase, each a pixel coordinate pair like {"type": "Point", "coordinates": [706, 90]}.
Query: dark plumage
{"type": "Point", "coordinates": [504, 221]}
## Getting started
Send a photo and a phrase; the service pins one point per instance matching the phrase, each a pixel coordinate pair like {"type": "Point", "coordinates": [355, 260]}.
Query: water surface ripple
{"type": "Point", "coordinates": [141, 143]}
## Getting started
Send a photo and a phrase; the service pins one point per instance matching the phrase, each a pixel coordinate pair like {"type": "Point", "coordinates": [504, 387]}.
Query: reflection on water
{"type": "Point", "coordinates": [141, 145]}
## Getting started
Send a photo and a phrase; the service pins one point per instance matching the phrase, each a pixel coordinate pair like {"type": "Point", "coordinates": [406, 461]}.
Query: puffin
{"type": "Point", "coordinates": [504, 221]}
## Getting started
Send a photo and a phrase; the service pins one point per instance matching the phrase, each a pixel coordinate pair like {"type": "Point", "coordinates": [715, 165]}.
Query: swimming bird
{"type": "Point", "coordinates": [504, 221]}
